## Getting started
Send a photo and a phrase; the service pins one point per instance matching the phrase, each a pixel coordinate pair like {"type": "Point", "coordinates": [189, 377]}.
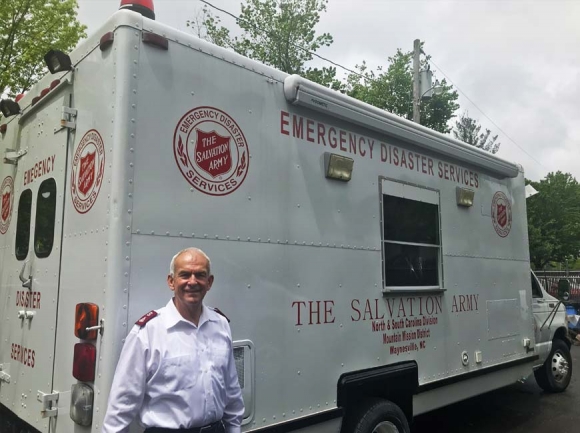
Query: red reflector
{"type": "Point", "coordinates": [86, 316]}
{"type": "Point", "coordinates": [84, 361]}
{"type": "Point", "coordinates": [44, 92]}
{"type": "Point", "coordinates": [19, 97]}
{"type": "Point", "coordinates": [54, 84]}
{"type": "Point", "coordinates": [3, 128]}
{"type": "Point", "coordinates": [35, 100]}
{"type": "Point", "coordinates": [156, 40]}
{"type": "Point", "coordinates": [106, 40]}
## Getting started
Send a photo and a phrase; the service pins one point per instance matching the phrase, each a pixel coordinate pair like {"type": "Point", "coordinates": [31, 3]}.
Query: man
{"type": "Point", "coordinates": [177, 371]}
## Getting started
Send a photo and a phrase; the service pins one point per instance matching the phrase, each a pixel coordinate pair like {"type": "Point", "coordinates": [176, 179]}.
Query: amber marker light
{"type": "Point", "coordinates": [86, 316]}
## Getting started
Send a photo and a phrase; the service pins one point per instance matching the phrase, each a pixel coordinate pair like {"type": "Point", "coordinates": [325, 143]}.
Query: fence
{"type": "Point", "coordinates": [551, 279]}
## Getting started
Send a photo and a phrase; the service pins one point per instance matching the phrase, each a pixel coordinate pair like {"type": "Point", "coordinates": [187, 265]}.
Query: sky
{"type": "Point", "coordinates": [515, 63]}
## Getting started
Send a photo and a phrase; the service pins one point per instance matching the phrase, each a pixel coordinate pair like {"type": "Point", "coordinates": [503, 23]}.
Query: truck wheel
{"type": "Point", "coordinates": [378, 416]}
{"type": "Point", "coordinates": [555, 374]}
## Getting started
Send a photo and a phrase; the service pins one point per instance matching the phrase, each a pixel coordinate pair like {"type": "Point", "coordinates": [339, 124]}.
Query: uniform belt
{"type": "Point", "coordinates": [216, 427]}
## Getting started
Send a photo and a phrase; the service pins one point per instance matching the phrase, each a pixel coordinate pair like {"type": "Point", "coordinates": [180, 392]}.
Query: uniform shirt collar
{"type": "Point", "coordinates": [173, 317]}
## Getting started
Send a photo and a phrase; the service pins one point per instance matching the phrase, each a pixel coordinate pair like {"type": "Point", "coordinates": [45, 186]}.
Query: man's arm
{"type": "Point", "coordinates": [234, 408]}
{"type": "Point", "coordinates": [128, 389]}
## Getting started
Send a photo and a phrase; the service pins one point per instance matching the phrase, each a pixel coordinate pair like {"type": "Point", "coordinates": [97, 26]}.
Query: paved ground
{"type": "Point", "coordinates": [516, 409]}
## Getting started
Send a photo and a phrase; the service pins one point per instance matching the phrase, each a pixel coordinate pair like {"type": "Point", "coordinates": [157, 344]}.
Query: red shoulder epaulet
{"type": "Point", "coordinates": [146, 318]}
{"type": "Point", "coordinates": [217, 310]}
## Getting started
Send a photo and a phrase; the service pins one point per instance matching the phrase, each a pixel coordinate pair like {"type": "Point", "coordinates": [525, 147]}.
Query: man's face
{"type": "Point", "coordinates": [191, 280]}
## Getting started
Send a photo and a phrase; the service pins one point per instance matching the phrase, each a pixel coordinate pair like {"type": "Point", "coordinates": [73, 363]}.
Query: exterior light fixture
{"type": "Point", "coordinates": [81, 404]}
{"type": "Point", "coordinates": [338, 167]}
{"type": "Point", "coordinates": [57, 61]}
{"type": "Point", "coordinates": [9, 107]}
{"type": "Point", "coordinates": [464, 196]}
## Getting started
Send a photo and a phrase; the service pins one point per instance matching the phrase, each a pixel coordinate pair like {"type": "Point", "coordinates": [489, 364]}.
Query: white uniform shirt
{"type": "Point", "coordinates": [174, 374]}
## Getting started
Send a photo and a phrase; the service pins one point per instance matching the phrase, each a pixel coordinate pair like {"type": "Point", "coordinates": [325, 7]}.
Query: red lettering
{"type": "Point", "coordinates": [368, 310]}
{"type": "Point", "coordinates": [332, 137]}
{"type": "Point", "coordinates": [352, 143]}
{"type": "Point", "coordinates": [314, 312]}
{"type": "Point", "coordinates": [371, 145]}
{"type": "Point", "coordinates": [360, 147]}
{"type": "Point", "coordinates": [321, 132]}
{"type": "Point", "coordinates": [431, 167]}
{"type": "Point", "coordinates": [298, 127]}
{"type": "Point", "coordinates": [309, 130]}
{"type": "Point", "coordinates": [284, 122]}
{"type": "Point", "coordinates": [352, 305]}
{"type": "Point", "coordinates": [383, 152]}
{"type": "Point", "coordinates": [328, 317]}
{"type": "Point", "coordinates": [298, 304]}
{"type": "Point", "coordinates": [342, 140]}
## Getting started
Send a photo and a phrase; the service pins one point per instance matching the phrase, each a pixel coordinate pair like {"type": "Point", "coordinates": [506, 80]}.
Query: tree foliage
{"type": "Point", "coordinates": [554, 219]}
{"type": "Point", "coordinates": [28, 30]}
{"type": "Point", "coordinates": [468, 131]}
{"type": "Point", "coordinates": [392, 90]}
{"type": "Point", "coordinates": [278, 33]}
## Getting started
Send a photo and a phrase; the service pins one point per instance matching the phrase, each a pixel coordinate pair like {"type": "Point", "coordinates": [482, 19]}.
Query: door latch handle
{"type": "Point", "coordinates": [25, 282]}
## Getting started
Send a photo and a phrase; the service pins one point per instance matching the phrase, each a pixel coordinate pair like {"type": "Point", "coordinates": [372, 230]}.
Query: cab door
{"type": "Point", "coordinates": [542, 307]}
{"type": "Point", "coordinates": [31, 263]}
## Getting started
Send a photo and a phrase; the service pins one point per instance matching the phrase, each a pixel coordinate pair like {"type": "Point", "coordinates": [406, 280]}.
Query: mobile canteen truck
{"type": "Point", "coordinates": [372, 269]}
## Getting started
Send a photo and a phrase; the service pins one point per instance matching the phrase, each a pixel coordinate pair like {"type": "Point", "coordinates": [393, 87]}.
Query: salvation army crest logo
{"type": "Point", "coordinates": [211, 151]}
{"type": "Point", "coordinates": [7, 194]}
{"type": "Point", "coordinates": [88, 169]}
{"type": "Point", "coordinates": [501, 214]}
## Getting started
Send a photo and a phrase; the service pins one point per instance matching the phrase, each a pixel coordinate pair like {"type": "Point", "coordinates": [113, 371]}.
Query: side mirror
{"type": "Point", "coordinates": [564, 289]}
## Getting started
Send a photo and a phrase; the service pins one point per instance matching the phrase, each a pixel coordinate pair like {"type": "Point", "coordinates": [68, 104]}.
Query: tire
{"type": "Point", "coordinates": [556, 373]}
{"type": "Point", "coordinates": [378, 416]}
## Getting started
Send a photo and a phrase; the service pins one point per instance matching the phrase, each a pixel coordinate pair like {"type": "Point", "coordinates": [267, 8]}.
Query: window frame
{"type": "Point", "coordinates": [413, 192]}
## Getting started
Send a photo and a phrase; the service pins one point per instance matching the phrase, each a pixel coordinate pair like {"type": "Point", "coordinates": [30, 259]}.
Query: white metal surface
{"type": "Point", "coordinates": [30, 283]}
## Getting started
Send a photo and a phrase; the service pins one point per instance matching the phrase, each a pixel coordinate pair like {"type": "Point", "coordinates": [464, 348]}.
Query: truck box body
{"type": "Point", "coordinates": [322, 279]}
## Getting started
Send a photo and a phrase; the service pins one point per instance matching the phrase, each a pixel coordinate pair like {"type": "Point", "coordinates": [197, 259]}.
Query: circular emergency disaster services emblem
{"type": "Point", "coordinates": [88, 168]}
{"type": "Point", "coordinates": [211, 151]}
{"type": "Point", "coordinates": [501, 214]}
{"type": "Point", "coordinates": [7, 194]}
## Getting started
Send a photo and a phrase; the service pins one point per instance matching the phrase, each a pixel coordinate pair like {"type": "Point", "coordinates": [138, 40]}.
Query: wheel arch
{"type": "Point", "coordinates": [562, 334]}
{"type": "Point", "coordinates": [396, 383]}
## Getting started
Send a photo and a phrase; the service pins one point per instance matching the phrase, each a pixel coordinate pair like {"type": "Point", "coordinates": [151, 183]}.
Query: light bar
{"type": "Point", "coordinates": [299, 91]}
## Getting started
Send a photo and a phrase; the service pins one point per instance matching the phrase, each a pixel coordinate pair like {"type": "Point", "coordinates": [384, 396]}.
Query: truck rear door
{"type": "Point", "coordinates": [30, 267]}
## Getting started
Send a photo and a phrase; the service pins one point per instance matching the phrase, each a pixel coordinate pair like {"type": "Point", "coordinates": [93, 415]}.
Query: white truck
{"type": "Point", "coordinates": [372, 269]}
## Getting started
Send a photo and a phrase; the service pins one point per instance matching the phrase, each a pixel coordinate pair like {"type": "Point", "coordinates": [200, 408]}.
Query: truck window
{"type": "Point", "coordinates": [45, 213]}
{"type": "Point", "coordinates": [411, 241]}
{"type": "Point", "coordinates": [536, 290]}
{"type": "Point", "coordinates": [23, 225]}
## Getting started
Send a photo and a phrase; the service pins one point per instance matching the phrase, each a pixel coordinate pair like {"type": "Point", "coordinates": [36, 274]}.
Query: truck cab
{"type": "Point", "coordinates": [554, 369]}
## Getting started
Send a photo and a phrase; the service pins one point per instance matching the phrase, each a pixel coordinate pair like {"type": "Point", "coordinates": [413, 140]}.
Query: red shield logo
{"type": "Point", "coordinates": [87, 172]}
{"type": "Point", "coordinates": [212, 153]}
{"type": "Point", "coordinates": [501, 215]}
{"type": "Point", "coordinates": [5, 205]}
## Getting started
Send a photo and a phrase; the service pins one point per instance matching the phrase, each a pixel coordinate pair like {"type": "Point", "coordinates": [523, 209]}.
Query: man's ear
{"type": "Point", "coordinates": [170, 282]}
{"type": "Point", "coordinates": [209, 282]}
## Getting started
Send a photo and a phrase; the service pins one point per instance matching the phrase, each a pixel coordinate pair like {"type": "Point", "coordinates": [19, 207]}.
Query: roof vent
{"type": "Point", "coordinates": [144, 7]}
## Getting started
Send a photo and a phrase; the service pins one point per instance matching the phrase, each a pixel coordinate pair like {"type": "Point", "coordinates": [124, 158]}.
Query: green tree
{"type": "Point", "coordinates": [554, 219]}
{"type": "Point", "coordinates": [278, 33]}
{"type": "Point", "coordinates": [28, 30]}
{"type": "Point", "coordinates": [468, 131]}
{"type": "Point", "coordinates": [392, 90]}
